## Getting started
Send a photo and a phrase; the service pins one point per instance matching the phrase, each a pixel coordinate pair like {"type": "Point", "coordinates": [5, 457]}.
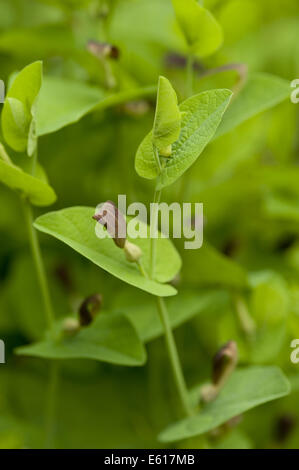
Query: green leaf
{"type": "Point", "coordinates": [262, 91]}
{"type": "Point", "coordinates": [267, 343]}
{"type": "Point", "coordinates": [167, 123]}
{"type": "Point", "coordinates": [202, 32]}
{"type": "Point", "coordinates": [63, 102]}
{"type": "Point", "coordinates": [76, 228]}
{"type": "Point", "coordinates": [15, 126]}
{"type": "Point", "coordinates": [19, 111]}
{"type": "Point", "coordinates": [281, 207]}
{"type": "Point", "coordinates": [270, 299]}
{"type": "Point", "coordinates": [202, 115]}
{"type": "Point", "coordinates": [38, 192]}
{"type": "Point", "coordinates": [235, 439]}
{"type": "Point", "coordinates": [109, 339]}
{"type": "Point", "coordinates": [207, 266]}
{"type": "Point", "coordinates": [246, 389]}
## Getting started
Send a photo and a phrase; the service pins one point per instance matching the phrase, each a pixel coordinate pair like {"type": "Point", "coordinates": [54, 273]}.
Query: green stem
{"type": "Point", "coordinates": [38, 261]}
{"type": "Point", "coordinates": [34, 162]}
{"type": "Point", "coordinates": [190, 74]}
{"type": "Point", "coordinates": [153, 240]}
{"type": "Point", "coordinates": [174, 357]}
{"type": "Point", "coordinates": [51, 406]}
{"type": "Point", "coordinates": [142, 270]}
{"type": "Point", "coordinates": [246, 321]}
{"type": "Point", "coordinates": [170, 342]}
{"type": "Point", "coordinates": [157, 158]}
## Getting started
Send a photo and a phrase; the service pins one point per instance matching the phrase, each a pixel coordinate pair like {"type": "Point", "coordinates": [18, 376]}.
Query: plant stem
{"type": "Point", "coordinates": [38, 261]}
{"type": "Point", "coordinates": [157, 158]}
{"type": "Point", "coordinates": [246, 321]}
{"type": "Point", "coordinates": [153, 240]}
{"type": "Point", "coordinates": [169, 339]}
{"type": "Point", "coordinates": [34, 162]}
{"type": "Point", "coordinates": [51, 406]}
{"type": "Point", "coordinates": [174, 357]}
{"type": "Point", "coordinates": [190, 74]}
{"type": "Point", "coordinates": [44, 289]}
{"type": "Point", "coordinates": [142, 270]}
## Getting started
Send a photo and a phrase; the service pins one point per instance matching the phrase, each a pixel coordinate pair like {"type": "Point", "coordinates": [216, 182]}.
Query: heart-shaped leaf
{"type": "Point", "coordinates": [37, 191]}
{"type": "Point", "coordinates": [76, 228]}
{"type": "Point", "coordinates": [19, 110]}
{"type": "Point", "coordinates": [167, 123]}
{"type": "Point", "coordinates": [202, 32]}
{"type": "Point", "coordinates": [109, 339]}
{"type": "Point", "coordinates": [245, 389]}
{"type": "Point", "coordinates": [202, 114]}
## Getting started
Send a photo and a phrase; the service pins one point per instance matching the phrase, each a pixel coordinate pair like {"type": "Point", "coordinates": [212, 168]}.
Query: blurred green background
{"type": "Point", "coordinates": [247, 180]}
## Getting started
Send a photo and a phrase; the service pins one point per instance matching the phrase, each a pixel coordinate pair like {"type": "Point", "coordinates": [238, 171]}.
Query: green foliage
{"type": "Point", "coordinates": [167, 123]}
{"type": "Point", "coordinates": [76, 228]}
{"type": "Point", "coordinates": [19, 112]}
{"type": "Point", "coordinates": [182, 308]}
{"type": "Point", "coordinates": [36, 190]}
{"type": "Point", "coordinates": [234, 62]}
{"type": "Point", "coordinates": [246, 389]}
{"type": "Point", "coordinates": [202, 32]}
{"type": "Point", "coordinates": [202, 115]}
{"type": "Point", "coordinates": [260, 92]}
{"type": "Point", "coordinates": [110, 338]}
{"type": "Point", "coordinates": [209, 267]}
{"type": "Point", "coordinates": [63, 102]}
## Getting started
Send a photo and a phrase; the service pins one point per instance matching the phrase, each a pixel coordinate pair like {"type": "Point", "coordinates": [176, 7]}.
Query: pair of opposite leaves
{"type": "Point", "coordinates": [180, 133]}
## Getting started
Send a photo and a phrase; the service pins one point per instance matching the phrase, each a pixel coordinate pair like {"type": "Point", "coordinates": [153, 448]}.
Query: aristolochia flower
{"type": "Point", "coordinates": [115, 223]}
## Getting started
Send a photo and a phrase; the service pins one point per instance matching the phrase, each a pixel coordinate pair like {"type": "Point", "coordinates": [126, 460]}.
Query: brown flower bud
{"type": "Point", "coordinates": [102, 50]}
{"type": "Point", "coordinates": [136, 108]}
{"type": "Point", "coordinates": [89, 308]}
{"type": "Point", "coordinates": [112, 219]}
{"type": "Point", "coordinates": [133, 252]}
{"type": "Point", "coordinates": [70, 326]}
{"type": "Point", "coordinates": [284, 427]}
{"type": "Point", "coordinates": [224, 362]}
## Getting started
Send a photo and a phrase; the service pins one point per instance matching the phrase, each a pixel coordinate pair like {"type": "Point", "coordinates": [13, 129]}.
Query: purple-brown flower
{"type": "Point", "coordinates": [113, 220]}
{"type": "Point", "coordinates": [102, 50]}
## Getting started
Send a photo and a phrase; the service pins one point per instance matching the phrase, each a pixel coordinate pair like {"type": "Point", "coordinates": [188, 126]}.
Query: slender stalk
{"type": "Point", "coordinates": [44, 289]}
{"type": "Point", "coordinates": [38, 261]}
{"type": "Point", "coordinates": [142, 270]}
{"type": "Point", "coordinates": [246, 321]}
{"type": "Point", "coordinates": [34, 162]}
{"type": "Point", "coordinates": [190, 74]}
{"type": "Point", "coordinates": [51, 406]}
{"type": "Point", "coordinates": [174, 357]}
{"type": "Point", "coordinates": [153, 240]}
{"type": "Point", "coordinates": [169, 339]}
{"type": "Point", "coordinates": [157, 158]}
